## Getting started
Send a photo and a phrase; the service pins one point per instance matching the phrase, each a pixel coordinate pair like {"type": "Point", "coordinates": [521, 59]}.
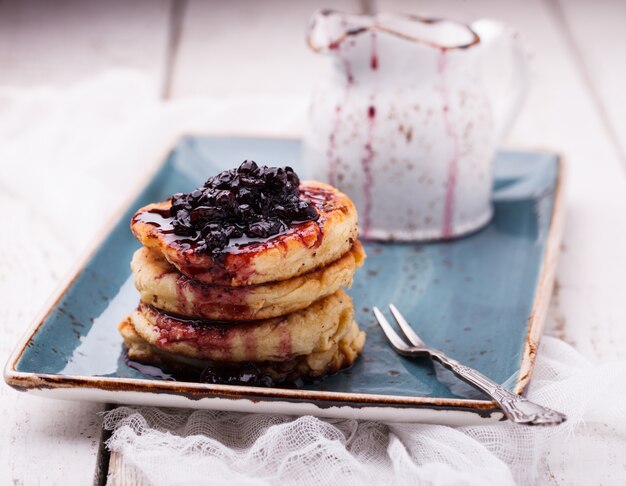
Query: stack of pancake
{"type": "Point", "coordinates": [274, 305]}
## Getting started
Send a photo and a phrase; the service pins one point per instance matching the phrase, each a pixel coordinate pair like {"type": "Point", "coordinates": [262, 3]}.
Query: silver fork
{"type": "Point", "coordinates": [516, 408]}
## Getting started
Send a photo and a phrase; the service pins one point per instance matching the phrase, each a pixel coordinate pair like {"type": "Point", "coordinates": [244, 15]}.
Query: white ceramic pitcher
{"type": "Point", "coordinates": [408, 122]}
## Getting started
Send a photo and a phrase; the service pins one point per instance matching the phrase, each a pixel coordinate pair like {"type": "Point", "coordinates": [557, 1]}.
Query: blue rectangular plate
{"type": "Point", "coordinates": [482, 299]}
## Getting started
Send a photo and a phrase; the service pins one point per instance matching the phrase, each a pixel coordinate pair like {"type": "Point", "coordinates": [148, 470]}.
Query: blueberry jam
{"type": "Point", "coordinates": [243, 374]}
{"type": "Point", "coordinates": [247, 202]}
{"type": "Point", "coordinates": [248, 374]}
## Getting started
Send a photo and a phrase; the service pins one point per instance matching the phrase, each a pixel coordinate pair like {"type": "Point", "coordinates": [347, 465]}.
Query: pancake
{"type": "Point", "coordinates": [299, 250]}
{"type": "Point", "coordinates": [340, 355]}
{"type": "Point", "coordinates": [315, 329]}
{"type": "Point", "coordinates": [163, 287]}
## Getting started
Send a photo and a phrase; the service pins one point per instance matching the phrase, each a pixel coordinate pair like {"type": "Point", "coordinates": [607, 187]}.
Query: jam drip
{"type": "Point", "coordinates": [334, 160]}
{"type": "Point", "coordinates": [247, 374]}
{"type": "Point", "coordinates": [242, 205]}
{"type": "Point", "coordinates": [242, 374]}
{"type": "Point", "coordinates": [368, 176]}
{"type": "Point", "coordinates": [449, 203]}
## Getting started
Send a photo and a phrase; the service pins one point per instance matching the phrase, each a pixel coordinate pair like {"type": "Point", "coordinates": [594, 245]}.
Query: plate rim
{"type": "Point", "coordinates": [29, 381]}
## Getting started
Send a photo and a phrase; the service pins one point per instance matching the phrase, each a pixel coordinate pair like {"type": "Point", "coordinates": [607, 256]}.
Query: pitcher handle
{"type": "Point", "coordinates": [495, 36]}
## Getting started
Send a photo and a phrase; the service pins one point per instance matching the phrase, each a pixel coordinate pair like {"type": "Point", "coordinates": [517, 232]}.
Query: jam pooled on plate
{"type": "Point", "coordinates": [250, 201]}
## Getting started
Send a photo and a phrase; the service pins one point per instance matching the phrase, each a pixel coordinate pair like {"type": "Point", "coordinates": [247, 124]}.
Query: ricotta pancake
{"type": "Point", "coordinates": [300, 249]}
{"type": "Point", "coordinates": [241, 280]}
{"type": "Point", "coordinates": [340, 355]}
{"type": "Point", "coordinates": [163, 287]}
{"type": "Point", "coordinates": [315, 329]}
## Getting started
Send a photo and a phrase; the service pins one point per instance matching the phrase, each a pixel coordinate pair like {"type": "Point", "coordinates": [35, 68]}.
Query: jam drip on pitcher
{"type": "Point", "coordinates": [333, 159]}
{"type": "Point", "coordinates": [374, 53]}
{"type": "Point", "coordinates": [331, 153]}
{"type": "Point", "coordinates": [366, 164]}
{"type": "Point", "coordinates": [368, 158]}
{"type": "Point", "coordinates": [449, 202]}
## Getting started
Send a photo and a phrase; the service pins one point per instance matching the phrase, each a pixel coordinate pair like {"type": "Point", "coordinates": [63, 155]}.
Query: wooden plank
{"type": "Point", "coordinates": [122, 473]}
{"type": "Point", "coordinates": [560, 115]}
{"type": "Point", "coordinates": [59, 43]}
{"type": "Point", "coordinates": [248, 48]}
{"type": "Point", "coordinates": [597, 34]}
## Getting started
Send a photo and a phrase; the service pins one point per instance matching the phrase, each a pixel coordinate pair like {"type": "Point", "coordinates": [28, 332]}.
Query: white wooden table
{"type": "Point", "coordinates": [577, 106]}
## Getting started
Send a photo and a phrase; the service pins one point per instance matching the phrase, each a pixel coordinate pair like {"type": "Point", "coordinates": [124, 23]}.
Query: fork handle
{"type": "Point", "coordinates": [516, 408]}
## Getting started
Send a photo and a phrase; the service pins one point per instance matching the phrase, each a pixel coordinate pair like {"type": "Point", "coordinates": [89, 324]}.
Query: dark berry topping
{"type": "Point", "coordinates": [250, 201]}
{"type": "Point", "coordinates": [248, 374]}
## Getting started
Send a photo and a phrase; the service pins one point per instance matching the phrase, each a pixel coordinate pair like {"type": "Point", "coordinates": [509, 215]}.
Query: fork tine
{"type": "Point", "coordinates": [396, 341]}
{"type": "Point", "coordinates": [406, 327]}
